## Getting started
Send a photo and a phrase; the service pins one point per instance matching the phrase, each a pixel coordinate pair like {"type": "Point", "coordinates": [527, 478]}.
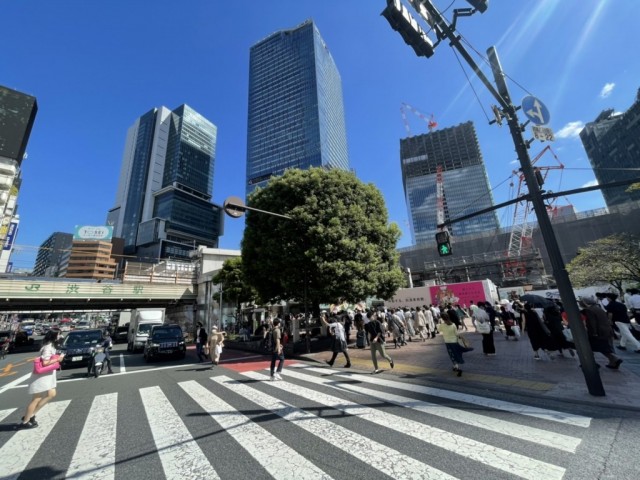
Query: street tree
{"type": "Point", "coordinates": [337, 243]}
{"type": "Point", "coordinates": [234, 283]}
{"type": "Point", "coordinates": [614, 259]}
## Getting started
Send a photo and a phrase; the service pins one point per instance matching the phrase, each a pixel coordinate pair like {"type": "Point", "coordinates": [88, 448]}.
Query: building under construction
{"type": "Point", "coordinates": [487, 255]}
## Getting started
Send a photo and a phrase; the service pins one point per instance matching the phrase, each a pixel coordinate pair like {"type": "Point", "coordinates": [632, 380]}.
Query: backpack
{"type": "Point", "coordinates": [360, 339]}
{"type": "Point", "coordinates": [268, 343]}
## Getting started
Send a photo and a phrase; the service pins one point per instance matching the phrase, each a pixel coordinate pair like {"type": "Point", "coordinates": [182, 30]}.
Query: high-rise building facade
{"type": "Point", "coordinates": [296, 110]}
{"type": "Point", "coordinates": [163, 204]}
{"type": "Point", "coordinates": [51, 255]}
{"type": "Point", "coordinates": [612, 143]}
{"type": "Point", "coordinates": [465, 187]}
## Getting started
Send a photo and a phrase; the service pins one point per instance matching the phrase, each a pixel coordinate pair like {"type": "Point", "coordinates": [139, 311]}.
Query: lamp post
{"type": "Point", "coordinates": [400, 20]}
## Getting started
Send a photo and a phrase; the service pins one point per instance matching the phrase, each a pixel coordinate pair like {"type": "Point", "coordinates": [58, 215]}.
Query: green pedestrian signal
{"type": "Point", "coordinates": [444, 243]}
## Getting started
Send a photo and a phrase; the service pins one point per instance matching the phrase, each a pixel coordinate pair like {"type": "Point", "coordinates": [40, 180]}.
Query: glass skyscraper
{"type": "Point", "coordinates": [163, 205]}
{"type": "Point", "coordinates": [296, 111]}
{"type": "Point", "coordinates": [612, 143]}
{"type": "Point", "coordinates": [465, 185]}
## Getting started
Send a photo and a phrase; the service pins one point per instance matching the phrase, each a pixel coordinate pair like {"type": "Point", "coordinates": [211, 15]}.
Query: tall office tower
{"type": "Point", "coordinates": [51, 254]}
{"type": "Point", "coordinates": [163, 204]}
{"type": "Point", "coordinates": [612, 143]}
{"type": "Point", "coordinates": [17, 114]}
{"type": "Point", "coordinates": [464, 188]}
{"type": "Point", "coordinates": [296, 112]}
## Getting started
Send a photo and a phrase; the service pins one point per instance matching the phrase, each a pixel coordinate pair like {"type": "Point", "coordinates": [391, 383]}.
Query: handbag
{"type": "Point", "coordinates": [39, 368]}
{"type": "Point", "coordinates": [483, 327]}
{"type": "Point", "coordinates": [516, 331]}
{"type": "Point", "coordinates": [463, 342]}
{"type": "Point", "coordinates": [568, 336]}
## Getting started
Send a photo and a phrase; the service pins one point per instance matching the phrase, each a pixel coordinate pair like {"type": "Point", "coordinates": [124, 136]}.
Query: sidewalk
{"type": "Point", "coordinates": [513, 368]}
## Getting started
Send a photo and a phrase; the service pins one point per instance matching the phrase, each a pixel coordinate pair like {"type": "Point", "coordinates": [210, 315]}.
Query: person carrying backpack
{"type": "Point", "coordinates": [339, 339]}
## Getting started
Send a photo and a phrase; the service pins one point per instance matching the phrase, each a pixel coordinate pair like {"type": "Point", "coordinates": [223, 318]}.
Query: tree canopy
{"type": "Point", "coordinates": [613, 259]}
{"type": "Point", "coordinates": [338, 240]}
{"type": "Point", "coordinates": [234, 283]}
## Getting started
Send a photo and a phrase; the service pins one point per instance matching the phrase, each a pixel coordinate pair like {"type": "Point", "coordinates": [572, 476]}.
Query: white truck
{"type": "Point", "coordinates": [142, 320]}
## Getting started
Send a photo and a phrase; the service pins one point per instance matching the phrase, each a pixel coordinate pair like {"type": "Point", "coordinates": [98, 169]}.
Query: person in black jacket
{"type": "Point", "coordinates": [376, 338]}
{"type": "Point", "coordinates": [201, 341]}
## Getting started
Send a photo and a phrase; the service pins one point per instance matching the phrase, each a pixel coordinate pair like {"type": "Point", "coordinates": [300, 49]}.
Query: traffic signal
{"type": "Point", "coordinates": [401, 20]}
{"type": "Point", "coordinates": [444, 243]}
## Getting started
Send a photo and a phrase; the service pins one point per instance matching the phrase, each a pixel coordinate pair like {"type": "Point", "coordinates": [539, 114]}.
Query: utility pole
{"type": "Point", "coordinates": [400, 20]}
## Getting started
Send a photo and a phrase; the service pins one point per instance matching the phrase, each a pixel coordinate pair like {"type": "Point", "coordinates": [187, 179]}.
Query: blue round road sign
{"type": "Point", "coordinates": [535, 110]}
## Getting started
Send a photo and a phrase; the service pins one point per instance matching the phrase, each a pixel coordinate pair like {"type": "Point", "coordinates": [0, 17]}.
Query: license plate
{"type": "Point", "coordinates": [76, 359]}
{"type": "Point", "coordinates": [168, 345]}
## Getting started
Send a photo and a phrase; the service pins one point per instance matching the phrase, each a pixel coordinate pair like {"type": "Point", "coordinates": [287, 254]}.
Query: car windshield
{"type": "Point", "coordinates": [89, 338]}
{"type": "Point", "coordinates": [145, 328]}
{"type": "Point", "coordinates": [121, 330]}
{"type": "Point", "coordinates": [166, 333]}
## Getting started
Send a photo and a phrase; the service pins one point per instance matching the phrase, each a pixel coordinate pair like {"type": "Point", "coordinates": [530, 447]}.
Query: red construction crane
{"type": "Point", "coordinates": [431, 123]}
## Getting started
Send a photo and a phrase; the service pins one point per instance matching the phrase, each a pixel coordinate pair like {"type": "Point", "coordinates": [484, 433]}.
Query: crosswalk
{"type": "Point", "coordinates": [319, 423]}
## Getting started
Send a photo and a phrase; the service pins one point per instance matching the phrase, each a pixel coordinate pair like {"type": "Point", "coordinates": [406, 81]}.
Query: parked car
{"type": "Point", "coordinates": [83, 325]}
{"type": "Point", "coordinates": [120, 334]}
{"type": "Point", "coordinates": [78, 346]}
{"type": "Point", "coordinates": [163, 341]}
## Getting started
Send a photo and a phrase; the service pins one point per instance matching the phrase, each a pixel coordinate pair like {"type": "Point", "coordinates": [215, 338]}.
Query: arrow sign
{"type": "Point", "coordinates": [535, 110]}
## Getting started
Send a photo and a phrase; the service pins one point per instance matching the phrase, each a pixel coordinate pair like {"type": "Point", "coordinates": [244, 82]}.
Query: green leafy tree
{"type": "Point", "coordinates": [234, 283]}
{"type": "Point", "coordinates": [613, 259]}
{"type": "Point", "coordinates": [337, 241]}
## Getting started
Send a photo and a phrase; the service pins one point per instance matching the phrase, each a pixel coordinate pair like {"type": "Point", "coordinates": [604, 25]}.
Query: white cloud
{"type": "Point", "coordinates": [570, 130]}
{"type": "Point", "coordinates": [513, 162]}
{"type": "Point", "coordinates": [607, 89]}
{"type": "Point", "coordinates": [592, 183]}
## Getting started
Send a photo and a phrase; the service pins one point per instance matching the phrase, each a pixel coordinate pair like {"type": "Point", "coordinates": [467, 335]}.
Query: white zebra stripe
{"type": "Point", "coordinates": [543, 413]}
{"type": "Point", "coordinates": [502, 427]}
{"type": "Point", "coordinates": [95, 454]}
{"type": "Point", "coordinates": [498, 458]}
{"type": "Point", "coordinates": [381, 457]}
{"type": "Point", "coordinates": [16, 454]}
{"type": "Point", "coordinates": [5, 413]}
{"type": "Point", "coordinates": [257, 441]}
{"type": "Point", "coordinates": [180, 454]}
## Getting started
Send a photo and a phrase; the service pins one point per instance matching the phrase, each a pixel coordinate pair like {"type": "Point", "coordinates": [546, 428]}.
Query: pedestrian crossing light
{"type": "Point", "coordinates": [444, 243]}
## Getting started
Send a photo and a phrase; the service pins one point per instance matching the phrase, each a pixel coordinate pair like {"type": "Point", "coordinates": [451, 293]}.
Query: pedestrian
{"type": "Point", "coordinates": [538, 333]}
{"type": "Point", "coordinates": [483, 325]}
{"type": "Point", "coordinates": [599, 330]}
{"type": "Point", "coordinates": [216, 343]}
{"type": "Point", "coordinates": [453, 316]}
{"type": "Point", "coordinates": [553, 320]}
{"type": "Point", "coordinates": [421, 324]}
{"type": "Point", "coordinates": [508, 320]}
{"type": "Point", "coordinates": [462, 315]}
{"type": "Point", "coordinates": [431, 325]}
{"type": "Point", "coordinates": [373, 326]}
{"type": "Point", "coordinates": [451, 338]}
{"type": "Point", "coordinates": [43, 385]}
{"type": "Point", "coordinates": [201, 341]}
{"type": "Point", "coordinates": [278, 350]}
{"type": "Point", "coordinates": [339, 344]}
{"type": "Point", "coordinates": [617, 313]}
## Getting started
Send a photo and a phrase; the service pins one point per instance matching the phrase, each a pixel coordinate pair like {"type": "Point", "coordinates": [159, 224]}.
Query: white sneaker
{"type": "Point", "coordinates": [277, 376]}
{"type": "Point", "coordinates": [272, 378]}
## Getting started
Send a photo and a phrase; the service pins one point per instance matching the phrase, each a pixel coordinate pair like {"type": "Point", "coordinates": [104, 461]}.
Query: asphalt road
{"type": "Point", "coordinates": [182, 419]}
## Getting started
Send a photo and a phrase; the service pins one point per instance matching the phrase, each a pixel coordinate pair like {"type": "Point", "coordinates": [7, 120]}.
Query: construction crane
{"type": "Point", "coordinates": [431, 123]}
{"type": "Point", "coordinates": [521, 229]}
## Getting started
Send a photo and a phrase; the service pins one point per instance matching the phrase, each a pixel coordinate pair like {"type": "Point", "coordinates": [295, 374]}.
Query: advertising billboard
{"type": "Point", "coordinates": [17, 114]}
{"type": "Point", "coordinates": [85, 232]}
{"type": "Point", "coordinates": [11, 235]}
{"type": "Point", "coordinates": [461, 293]}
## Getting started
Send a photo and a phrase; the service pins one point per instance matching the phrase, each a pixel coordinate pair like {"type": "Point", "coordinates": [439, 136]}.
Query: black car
{"type": "Point", "coordinates": [120, 334]}
{"type": "Point", "coordinates": [165, 340]}
{"type": "Point", "coordinates": [78, 346]}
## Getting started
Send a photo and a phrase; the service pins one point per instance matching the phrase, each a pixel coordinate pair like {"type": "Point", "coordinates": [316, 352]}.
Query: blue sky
{"type": "Point", "coordinates": [97, 66]}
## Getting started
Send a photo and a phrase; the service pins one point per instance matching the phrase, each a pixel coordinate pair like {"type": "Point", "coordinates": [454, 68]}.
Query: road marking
{"type": "Point", "coordinates": [489, 455]}
{"type": "Point", "coordinates": [545, 414]}
{"type": "Point", "coordinates": [123, 369]}
{"type": "Point", "coordinates": [257, 441]}
{"type": "Point", "coordinates": [95, 454]}
{"type": "Point", "coordinates": [502, 427]}
{"type": "Point", "coordinates": [179, 453]}
{"type": "Point", "coordinates": [20, 449]}
{"type": "Point", "coordinates": [381, 457]}
{"type": "Point", "coordinates": [5, 413]}
{"type": "Point", "coordinates": [13, 384]}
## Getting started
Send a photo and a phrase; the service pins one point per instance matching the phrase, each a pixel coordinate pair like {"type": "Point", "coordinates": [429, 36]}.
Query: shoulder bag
{"type": "Point", "coordinates": [39, 368]}
{"type": "Point", "coordinates": [483, 327]}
